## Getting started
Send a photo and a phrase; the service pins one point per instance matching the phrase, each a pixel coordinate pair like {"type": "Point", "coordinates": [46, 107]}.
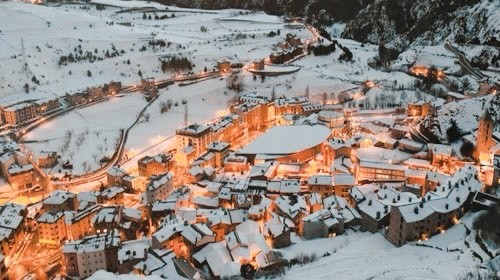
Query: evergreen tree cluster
{"type": "Point", "coordinates": [81, 55]}
{"type": "Point", "coordinates": [176, 64]}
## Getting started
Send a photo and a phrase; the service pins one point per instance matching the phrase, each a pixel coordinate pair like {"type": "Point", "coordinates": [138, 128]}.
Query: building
{"type": "Point", "coordinates": [149, 166]}
{"type": "Point", "coordinates": [484, 138]}
{"type": "Point", "coordinates": [113, 195]}
{"type": "Point", "coordinates": [19, 113]}
{"type": "Point", "coordinates": [320, 224]}
{"type": "Point", "coordinates": [21, 177]}
{"type": "Point", "coordinates": [224, 66]}
{"type": "Point", "coordinates": [114, 175]}
{"type": "Point", "coordinates": [12, 226]}
{"type": "Point", "coordinates": [277, 230]}
{"type": "Point", "coordinates": [335, 148]}
{"type": "Point", "coordinates": [368, 171]}
{"type": "Point", "coordinates": [374, 214]}
{"type": "Point", "coordinates": [112, 88]}
{"type": "Point", "coordinates": [28, 110]}
{"type": "Point", "coordinates": [51, 229]}
{"type": "Point", "coordinates": [258, 65]}
{"type": "Point", "coordinates": [78, 224]}
{"type": "Point", "coordinates": [84, 257]}
{"type": "Point", "coordinates": [227, 128]}
{"type": "Point", "coordinates": [134, 183]}
{"type": "Point", "coordinates": [196, 136]}
{"type": "Point", "coordinates": [234, 163]}
{"type": "Point", "coordinates": [343, 184]}
{"type": "Point", "coordinates": [496, 169]}
{"type": "Point", "coordinates": [60, 201]}
{"type": "Point", "coordinates": [16, 168]}
{"type": "Point", "coordinates": [419, 109]}
{"type": "Point", "coordinates": [194, 237]}
{"type": "Point", "coordinates": [440, 154]}
{"type": "Point", "coordinates": [220, 150]}
{"type": "Point", "coordinates": [149, 88]}
{"type": "Point", "coordinates": [436, 211]}
{"type": "Point", "coordinates": [95, 93]}
{"type": "Point", "coordinates": [47, 159]}
{"type": "Point", "coordinates": [399, 131]}
{"type": "Point", "coordinates": [287, 144]}
{"type": "Point", "coordinates": [332, 119]}
{"type": "Point", "coordinates": [132, 252]}
{"type": "Point", "coordinates": [169, 236]}
{"type": "Point", "coordinates": [321, 184]}
{"type": "Point", "coordinates": [159, 188]}
{"type": "Point", "coordinates": [3, 269]}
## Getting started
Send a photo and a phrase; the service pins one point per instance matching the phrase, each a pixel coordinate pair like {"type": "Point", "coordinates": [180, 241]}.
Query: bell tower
{"type": "Point", "coordinates": [484, 138]}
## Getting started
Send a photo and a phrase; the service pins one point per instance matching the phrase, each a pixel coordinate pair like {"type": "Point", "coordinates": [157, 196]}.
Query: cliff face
{"type": "Point", "coordinates": [400, 22]}
{"type": "Point", "coordinates": [337, 9]}
{"type": "Point", "coordinates": [404, 22]}
{"type": "Point", "coordinates": [270, 6]}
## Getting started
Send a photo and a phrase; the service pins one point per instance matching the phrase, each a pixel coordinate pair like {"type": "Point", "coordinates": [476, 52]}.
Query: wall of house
{"type": "Point", "coordinates": [71, 262]}
{"type": "Point", "coordinates": [323, 190]}
{"type": "Point", "coordinates": [22, 180]}
{"type": "Point", "coordinates": [79, 229]}
{"type": "Point", "coordinates": [311, 230]}
{"type": "Point", "coordinates": [52, 234]}
{"type": "Point", "coordinates": [281, 241]}
{"type": "Point", "coordinates": [369, 223]}
{"type": "Point", "coordinates": [90, 262]}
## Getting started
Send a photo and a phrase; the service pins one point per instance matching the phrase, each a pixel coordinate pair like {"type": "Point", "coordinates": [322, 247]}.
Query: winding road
{"type": "Point", "coordinates": [464, 62]}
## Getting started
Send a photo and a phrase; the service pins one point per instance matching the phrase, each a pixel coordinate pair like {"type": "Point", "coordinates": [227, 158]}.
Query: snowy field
{"type": "Point", "coordinates": [205, 37]}
{"type": "Point", "coordinates": [84, 136]}
{"type": "Point", "coordinates": [371, 256]}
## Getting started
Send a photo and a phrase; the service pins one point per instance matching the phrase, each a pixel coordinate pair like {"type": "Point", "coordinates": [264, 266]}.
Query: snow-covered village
{"type": "Point", "coordinates": [165, 140]}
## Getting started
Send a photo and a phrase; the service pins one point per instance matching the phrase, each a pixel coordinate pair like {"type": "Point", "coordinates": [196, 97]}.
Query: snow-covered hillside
{"type": "Point", "coordinates": [425, 22]}
{"type": "Point", "coordinates": [34, 38]}
{"type": "Point", "coordinates": [445, 256]}
{"type": "Point", "coordinates": [204, 37]}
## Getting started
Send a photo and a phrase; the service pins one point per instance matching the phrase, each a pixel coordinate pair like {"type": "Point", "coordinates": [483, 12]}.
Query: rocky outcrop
{"type": "Point", "coordinates": [425, 22]}
{"type": "Point", "coordinates": [398, 22]}
{"type": "Point", "coordinates": [339, 10]}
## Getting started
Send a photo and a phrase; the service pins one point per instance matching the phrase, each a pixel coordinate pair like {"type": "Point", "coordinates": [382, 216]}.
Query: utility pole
{"type": "Point", "coordinates": [185, 115]}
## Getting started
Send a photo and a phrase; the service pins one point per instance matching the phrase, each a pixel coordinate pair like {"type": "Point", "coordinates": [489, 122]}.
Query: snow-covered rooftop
{"type": "Point", "coordinates": [285, 140]}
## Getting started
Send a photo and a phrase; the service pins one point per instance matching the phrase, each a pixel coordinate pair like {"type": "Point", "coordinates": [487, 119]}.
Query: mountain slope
{"type": "Point", "coordinates": [425, 22]}
{"type": "Point", "coordinates": [401, 22]}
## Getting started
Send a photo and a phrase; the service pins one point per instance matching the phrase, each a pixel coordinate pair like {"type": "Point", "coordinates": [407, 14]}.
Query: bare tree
{"type": "Point", "coordinates": [235, 82]}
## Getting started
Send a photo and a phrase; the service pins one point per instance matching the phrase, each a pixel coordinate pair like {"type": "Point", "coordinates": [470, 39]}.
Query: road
{"type": "Point", "coordinates": [101, 172]}
{"type": "Point", "coordinates": [464, 62]}
{"type": "Point", "coordinates": [117, 156]}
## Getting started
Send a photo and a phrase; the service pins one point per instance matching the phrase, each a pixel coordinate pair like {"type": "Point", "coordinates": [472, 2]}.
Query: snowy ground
{"type": "Point", "coordinates": [371, 256]}
{"type": "Point", "coordinates": [94, 131]}
{"type": "Point", "coordinates": [239, 36]}
{"type": "Point", "coordinates": [33, 38]}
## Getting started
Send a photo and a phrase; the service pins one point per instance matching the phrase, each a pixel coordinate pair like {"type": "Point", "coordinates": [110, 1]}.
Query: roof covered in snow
{"type": "Point", "coordinates": [284, 140]}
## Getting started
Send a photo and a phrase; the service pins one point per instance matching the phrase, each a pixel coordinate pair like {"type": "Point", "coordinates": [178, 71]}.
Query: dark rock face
{"type": "Point", "coordinates": [399, 23]}
{"type": "Point", "coordinates": [404, 21]}
{"type": "Point", "coordinates": [339, 10]}
{"type": "Point", "coordinates": [270, 6]}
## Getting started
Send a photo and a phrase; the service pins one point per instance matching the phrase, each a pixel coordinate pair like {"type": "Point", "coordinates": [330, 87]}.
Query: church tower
{"type": "Point", "coordinates": [484, 138]}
